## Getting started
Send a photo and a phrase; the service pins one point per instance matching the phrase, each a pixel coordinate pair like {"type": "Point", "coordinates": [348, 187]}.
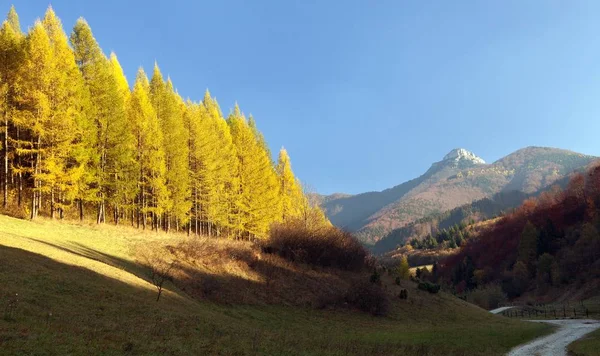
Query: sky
{"type": "Point", "coordinates": [365, 95]}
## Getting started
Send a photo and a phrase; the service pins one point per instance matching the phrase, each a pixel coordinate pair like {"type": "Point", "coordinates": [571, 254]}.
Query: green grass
{"type": "Point", "coordinates": [588, 346]}
{"type": "Point", "coordinates": [77, 289]}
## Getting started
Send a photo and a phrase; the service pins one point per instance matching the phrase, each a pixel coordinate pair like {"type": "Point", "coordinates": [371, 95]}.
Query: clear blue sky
{"type": "Point", "coordinates": [367, 94]}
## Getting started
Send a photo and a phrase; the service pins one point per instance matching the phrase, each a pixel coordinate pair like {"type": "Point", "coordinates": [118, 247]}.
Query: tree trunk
{"type": "Point", "coordinates": [100, 214]}
{"type": "Point", "coordinates": [20, 190]}
{"type": "Point", "coordinates": [5, 180]}
{"type": "Point", "coordinates": [62, 209]}
{"type": "Point", "coordinates": [80, 209]}
{"type": "Point", "coordinates": [52, 203]}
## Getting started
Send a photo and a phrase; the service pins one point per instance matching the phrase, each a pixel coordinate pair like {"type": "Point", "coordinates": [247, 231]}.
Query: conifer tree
{"type": "Point", "coordinates": [152, 196]}
{"type": "Point", "coordinates": [168, 108]}
{"type": "Point", "coordinates": [291, 195]}
{"type": "Point", "coordinates": [94, 68]}
{"type": "Point", "coordinates": [11, 57]}
{"type": "Point", "coordinates": [224, 197]}
{"type": "Point", "coordinates": [71, 133]}
{"type": "Point", "coordinates": [258, 203]}
{"type": "Point", "coordinates": [120, 147]}
{"type": "Point", "coordinates": [34, 100]}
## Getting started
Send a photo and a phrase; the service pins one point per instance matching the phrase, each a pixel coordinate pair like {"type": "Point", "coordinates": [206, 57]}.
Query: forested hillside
{"type": "Point", "coordinates": [77, 140]}
{"type": "Point", "coordinates": [549, 245]}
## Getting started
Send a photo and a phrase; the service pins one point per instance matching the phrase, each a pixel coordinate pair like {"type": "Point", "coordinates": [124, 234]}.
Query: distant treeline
{"type": "Point", "coordinates": [75, 138]}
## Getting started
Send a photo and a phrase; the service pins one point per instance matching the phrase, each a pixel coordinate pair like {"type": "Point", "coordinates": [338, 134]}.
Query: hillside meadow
{"type": "Point", "coordinates": [77, 288]}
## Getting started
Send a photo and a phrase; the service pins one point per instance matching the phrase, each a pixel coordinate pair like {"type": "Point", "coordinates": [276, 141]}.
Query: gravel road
{"type": "Point", "coordinates": [500, 310]}
{"type": "Point", "coordinates": [556, 344]}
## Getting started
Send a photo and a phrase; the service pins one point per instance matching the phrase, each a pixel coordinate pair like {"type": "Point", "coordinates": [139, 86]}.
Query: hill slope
{"type": "Point", "coordinates": [458, 179]}
{"type": "Point", "coordinates": [72, 289]}
{"type": "Point", "coordinates": [548, 248]}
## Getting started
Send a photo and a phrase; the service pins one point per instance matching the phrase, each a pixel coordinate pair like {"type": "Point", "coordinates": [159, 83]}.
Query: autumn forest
{"type": "Point", "coordinates": [78, 141]}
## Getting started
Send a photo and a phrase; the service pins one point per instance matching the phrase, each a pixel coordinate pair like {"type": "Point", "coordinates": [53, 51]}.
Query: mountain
{"type": "Point", "coordinates": [460, 178]}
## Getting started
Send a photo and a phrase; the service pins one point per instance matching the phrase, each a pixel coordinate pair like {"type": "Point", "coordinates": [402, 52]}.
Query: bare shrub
{"type": "Point", "coordinates": [325, 247]}
{"type": "Point", "coordinates": [160, 266]}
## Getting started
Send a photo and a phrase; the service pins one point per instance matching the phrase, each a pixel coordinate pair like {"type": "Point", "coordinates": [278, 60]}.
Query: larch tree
{"type": "Point", "coordinates": [219, 172]}
{"type": "Point", "coordinates": [34, 103]}
{"type": "Point", "coordinates": [258, 190]}
{"type": "Point", "coordinates": [121, 162]}
{"type": "Point", "coordinates": [71, 130]}
{"type": "Point", "coordinates": [169, 111]}
{"type": "Point", "coordinates": [11, 57]}
{"type": "Point", "coordinates": [290, 191]}
{"type": "Point", "coordinates": [153, 195]}
{"type": "Point", "coordinates": [71, 134]}
{"type": "Point", "coordinates": [94, 68]}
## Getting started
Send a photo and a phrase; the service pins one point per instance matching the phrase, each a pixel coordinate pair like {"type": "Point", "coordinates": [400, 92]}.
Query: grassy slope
{"type": "Point", "coordinates": [77, 289]}
{"type": "Point", "coordinates": [588, 346]}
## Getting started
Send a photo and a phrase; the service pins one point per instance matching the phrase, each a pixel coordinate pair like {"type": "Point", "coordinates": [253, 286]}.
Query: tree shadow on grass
{"type": "Point", "coordinates": [91, 313]}
{"type": "Point", "coordinates": [83, 251]}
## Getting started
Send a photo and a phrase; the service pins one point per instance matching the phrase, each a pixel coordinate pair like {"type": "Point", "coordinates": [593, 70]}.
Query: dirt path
{"type": "Point", "coordinates": [556, 344]}
{"type": "Point", "coordinates": [499, 310]}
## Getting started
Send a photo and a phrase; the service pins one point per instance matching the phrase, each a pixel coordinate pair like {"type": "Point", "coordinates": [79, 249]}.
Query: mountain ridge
{"type": "Point", "coordinates": [459, 178]}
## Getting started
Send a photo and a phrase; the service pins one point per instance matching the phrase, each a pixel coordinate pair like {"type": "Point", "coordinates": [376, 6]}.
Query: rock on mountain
{"type": "Point", "coordinates": [459, 178]}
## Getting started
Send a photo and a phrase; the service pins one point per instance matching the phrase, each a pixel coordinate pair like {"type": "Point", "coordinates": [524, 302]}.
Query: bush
{"type": "Point", "coordinates": [487, 297]}
{"type": "Point", "coordinates": [326, 246]}
{"type": "Point", "coordinates": [368, 297]}
{"type": "Point", "coordinates": [375, 277]}
{"type": "Point", "coordinates": [430, 287]}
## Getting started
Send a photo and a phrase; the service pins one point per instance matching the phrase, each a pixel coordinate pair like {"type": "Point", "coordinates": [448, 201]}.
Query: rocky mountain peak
{"type": "Point", "coordinates": [460, 154]}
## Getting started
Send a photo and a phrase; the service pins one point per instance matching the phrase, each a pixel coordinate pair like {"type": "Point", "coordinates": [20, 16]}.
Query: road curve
{"type": "Point", "coordinates": [556, 343]}
{"type": "Point", "coordinates": [500, 310]}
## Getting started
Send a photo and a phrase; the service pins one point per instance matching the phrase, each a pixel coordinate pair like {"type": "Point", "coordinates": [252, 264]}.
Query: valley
{"type": "Point", "coordinates": [80, 284]}
{"type": "Point", "coordinates": [139, 215]}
